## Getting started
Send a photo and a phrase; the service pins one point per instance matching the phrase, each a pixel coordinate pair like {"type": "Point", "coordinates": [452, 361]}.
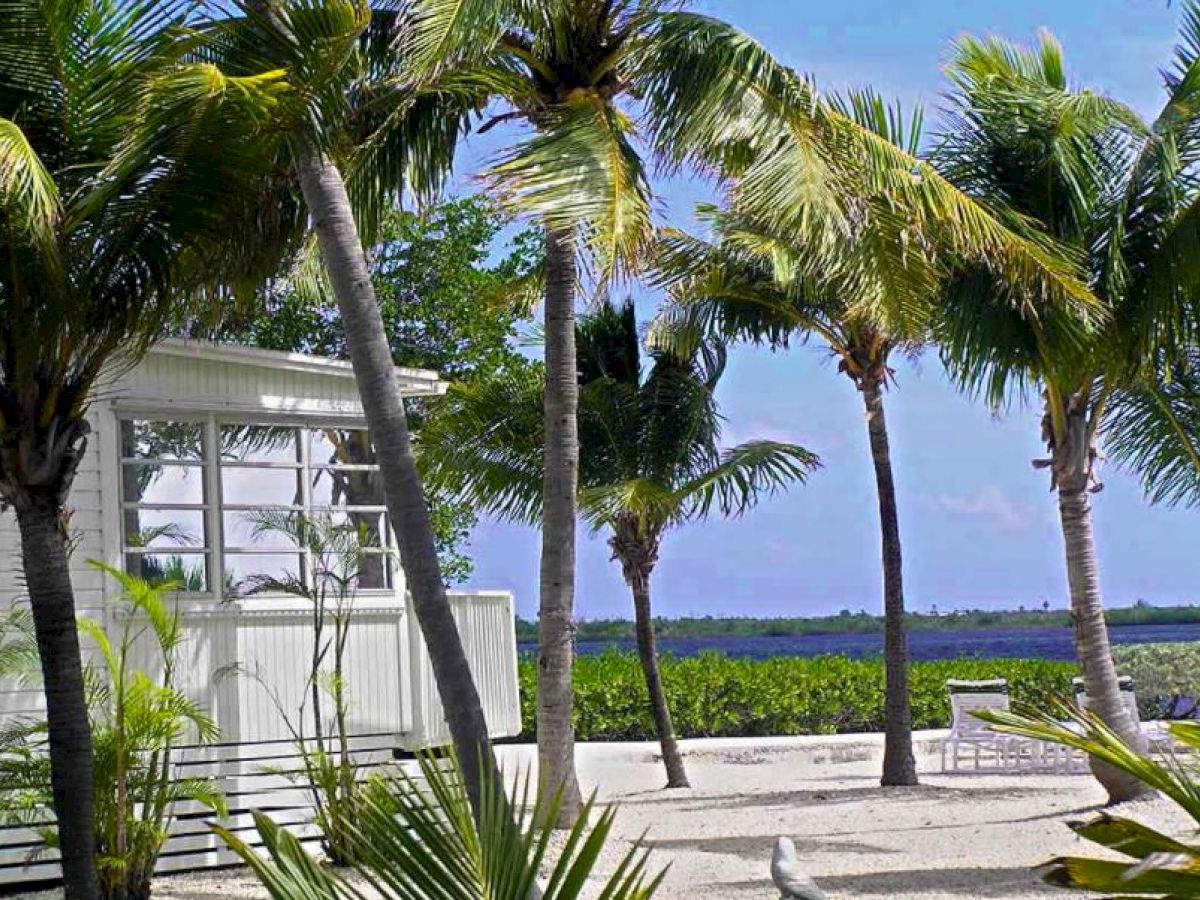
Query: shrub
{"type": "Point", "coordinates": [712, 695]}
{"type": "Point", "coordinates": [1165, 676]}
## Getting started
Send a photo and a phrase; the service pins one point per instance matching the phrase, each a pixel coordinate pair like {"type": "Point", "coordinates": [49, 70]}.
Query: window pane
{"type": "Point", "coordinates": [191, 569]}
{"type": "Point", "coordinates": [332, 488]}
{"type": "Point", "coordinates": [339, 447]}
{"type": "Point", "coordinates": [374, 572]}
{"type": "Point", "coordinates": [165, 528]}
{"type": "Point", "coordinates": [259, 443]}
{"type": "Point", "coordinates": [244, 570]}
{"type": "Point", "coordinates": [371, 527]}
{"type": "Point", "coordinates": [142, 439]}
{"type": "Point", "coordinates": [260, 487]}
{"type": "Point", "coordinates": [150, 483]}
{"type": "Point", "coordinates": [240, 531]}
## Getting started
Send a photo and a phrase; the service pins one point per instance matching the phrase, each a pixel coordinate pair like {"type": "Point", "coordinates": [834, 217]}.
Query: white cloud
{"type": "Point", "coordinates": [990, 505]}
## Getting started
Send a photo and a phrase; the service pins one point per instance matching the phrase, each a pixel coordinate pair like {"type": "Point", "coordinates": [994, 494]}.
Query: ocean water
{"type": "Point", "coordinates": [1033, 643]}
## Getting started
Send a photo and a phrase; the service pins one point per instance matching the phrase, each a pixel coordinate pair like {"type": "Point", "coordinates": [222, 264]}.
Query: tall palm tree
{"type": "Point", "coordinates": [1090, 173]}
{"type": "Point", "coordinates": [650, 459]}
{"type": "Point", "coordinates": [129, 196]}
{"type": "Point", "coordinates": [585, 77]}
{"type": "Point", "coordinates": [865, 292]}
{"type": "Point", "coordinates": [354, 136]}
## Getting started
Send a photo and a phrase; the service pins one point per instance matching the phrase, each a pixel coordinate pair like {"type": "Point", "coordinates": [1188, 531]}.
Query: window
{"type": "Point", "coordinates": [195, 494]}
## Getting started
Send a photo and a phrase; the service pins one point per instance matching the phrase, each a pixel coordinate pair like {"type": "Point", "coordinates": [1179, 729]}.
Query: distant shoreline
{"type": "Point", "coordinates": [848, 623]}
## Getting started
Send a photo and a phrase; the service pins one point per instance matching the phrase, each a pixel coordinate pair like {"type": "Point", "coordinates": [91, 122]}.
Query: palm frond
{"type": "Point", "coordinates": [580, 174]}
{"type": "Point", "coordinates": [746, 474]}
{"type": "Point", "coordinates": [1153, 429]}
{"type": "Point", "coordinates": [419, 840]}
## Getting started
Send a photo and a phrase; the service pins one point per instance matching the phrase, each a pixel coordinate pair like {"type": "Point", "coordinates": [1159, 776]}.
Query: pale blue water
{"type": "Point", "coordinates": [1034, 643]}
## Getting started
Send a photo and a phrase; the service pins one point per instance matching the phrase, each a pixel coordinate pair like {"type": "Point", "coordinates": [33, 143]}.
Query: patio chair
{"type": "Point", "coordinates": [966, 731]}
{"type": "Point", "coordinates": [1157, 737]}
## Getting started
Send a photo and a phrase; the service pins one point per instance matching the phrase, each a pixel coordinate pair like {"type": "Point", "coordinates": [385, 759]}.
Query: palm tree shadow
{"type": "Point", "coordinates": [976, 882]}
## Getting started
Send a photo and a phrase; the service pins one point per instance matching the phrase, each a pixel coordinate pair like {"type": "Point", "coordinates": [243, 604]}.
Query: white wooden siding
{"type": "Point", "coordinates": [394, 703]}
{"type": "Point", "coordinates": [487, 625]}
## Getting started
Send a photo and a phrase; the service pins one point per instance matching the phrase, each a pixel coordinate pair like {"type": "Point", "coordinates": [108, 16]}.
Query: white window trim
{"type": "Point", "coordinates": [214, 602]}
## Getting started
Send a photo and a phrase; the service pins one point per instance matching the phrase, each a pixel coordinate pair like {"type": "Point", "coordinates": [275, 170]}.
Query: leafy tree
{"type": "Point", "coordinates": [446, 306]}
{"type": "Point", "coordinates": [129, 193]}
{"type": "Point", "coordinates": [1122, 194]}
{"type": "Point", "coordinates": [649, 459]}
{"type": "Point", "coordinates": [865, 295]}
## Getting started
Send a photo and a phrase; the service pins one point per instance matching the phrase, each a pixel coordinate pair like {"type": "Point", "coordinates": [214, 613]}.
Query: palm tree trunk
{"type": "Point", "coordinates": [648, 654]}
{"type": "Point", "coordinates": [556, 628]}
{"type": "Point", "coordinates": [1072, 474]}
{"type": "Point", "coordinates": [345, 260]}
{"type": "Point", "coordinates": [48, 578]}
{"type": "Point", "coordinates": [899, 765]}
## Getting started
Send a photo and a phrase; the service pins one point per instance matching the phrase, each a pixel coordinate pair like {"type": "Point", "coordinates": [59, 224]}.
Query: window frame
{"type": "Point", "coordinates": [214, 509]}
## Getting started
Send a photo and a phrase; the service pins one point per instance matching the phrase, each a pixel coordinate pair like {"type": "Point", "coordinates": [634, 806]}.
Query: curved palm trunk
{"type": "Point", "coordinates": [899, 765]}
{"type": "Point", "coordinates": [1072, 461]}
{"type": "Point", "coordinates": [48, 578]}
{"type": "Point", "coordinates": [556, 629]}
{"type": "Point", "coordinates": [342, 251]}
{"type": "Point", "coordinates": [648, 654]}
{"type": "Point", "coordinates": [638, 555]}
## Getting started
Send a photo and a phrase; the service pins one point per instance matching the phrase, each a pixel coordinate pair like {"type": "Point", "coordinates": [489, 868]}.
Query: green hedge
{"type": "Point", "coordinates": [712, 695]}
{"type": "Point", "coordinates": [1166, 677]}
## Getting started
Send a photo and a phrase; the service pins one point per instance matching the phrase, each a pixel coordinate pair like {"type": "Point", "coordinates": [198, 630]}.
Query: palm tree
{"type": "Point", "coordinates": [351, 112]}
{"type": "Point", "coordinates": [649, 460]}
{"type": "Point", "coordinates": [584, 77]}
{"type": "Point", "coordinates": [1088, 172]}
{"type": "Point", "coordinates": [864, 294]}
{"type": "Point", "coordinates": [128, 197]}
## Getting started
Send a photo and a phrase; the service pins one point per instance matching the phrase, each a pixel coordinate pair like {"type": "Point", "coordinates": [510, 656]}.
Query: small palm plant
{"type": "Point", "coordinates": [335, 559]}
{"type": "Point", "coordinates": [1158, 865]}
{"type": "Point", "coordinates": [650, 459]}
{"type": "Point", "coordinates": [138, 720]}
{"type": "Point", "coordinates": [419, 839]}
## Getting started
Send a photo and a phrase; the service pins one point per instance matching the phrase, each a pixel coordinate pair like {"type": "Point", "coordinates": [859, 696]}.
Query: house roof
{"type": "Point", "coordinates": [412, 381]}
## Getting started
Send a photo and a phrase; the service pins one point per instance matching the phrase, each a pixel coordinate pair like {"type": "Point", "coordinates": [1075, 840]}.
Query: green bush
{"type": "Point", "coordinates": [712, 695]}
{"type": "Point", "coordinates": [1165, 676]}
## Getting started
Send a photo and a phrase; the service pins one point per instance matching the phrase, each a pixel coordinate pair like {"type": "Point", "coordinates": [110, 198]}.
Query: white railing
{"type": "Point", "coordinates": [487, 627]}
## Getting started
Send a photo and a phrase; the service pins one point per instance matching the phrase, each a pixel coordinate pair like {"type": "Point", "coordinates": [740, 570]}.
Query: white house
{"type": "Point", "coordinates": [185, 447]}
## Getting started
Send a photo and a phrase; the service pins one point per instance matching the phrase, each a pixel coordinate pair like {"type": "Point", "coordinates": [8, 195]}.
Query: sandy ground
{"type": "Point", "coordinates": [956, 837]}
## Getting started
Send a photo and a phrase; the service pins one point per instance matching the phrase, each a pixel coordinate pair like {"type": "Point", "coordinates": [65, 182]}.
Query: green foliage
{"type": "Point", "coordinates": [420, 840]}
{"type": "Point", "coordinates": [1154, 865]}
{"type": "Point", "coordinates": [1165, 676]}
{"type": "Point", "coordinates": [138, 718]}
{"type": "Point", "coordinates": [712, 695]}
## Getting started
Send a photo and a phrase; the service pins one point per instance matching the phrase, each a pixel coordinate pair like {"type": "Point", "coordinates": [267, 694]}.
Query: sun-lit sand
{"type": "Point", "coordinates": [956, 837]}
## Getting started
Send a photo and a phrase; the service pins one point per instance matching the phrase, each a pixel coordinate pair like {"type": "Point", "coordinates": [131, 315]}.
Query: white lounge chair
{"type": "Point", "coordinates": [981, 743]}
{"type": "Point", "coordinates": [1157, 737]}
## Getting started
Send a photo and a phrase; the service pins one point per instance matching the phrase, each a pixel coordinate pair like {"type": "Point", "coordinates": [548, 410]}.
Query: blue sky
{"type": "Point", "coordinates": [979, 525]}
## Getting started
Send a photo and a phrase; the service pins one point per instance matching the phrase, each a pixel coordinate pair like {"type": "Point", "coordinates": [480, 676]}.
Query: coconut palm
{"type": "Point", "coordinates": [866, 288]}
{"type": "Point", "coordinates": [353, 137]}
{"type": "Point", "coordinates": [649, 460]}
{"type": "Point", "coordinates": [128, 196]}
{"type": "Point", "coordinates": [587, 79]}
{"type": "Point", "coordinates": [1092, 175]}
